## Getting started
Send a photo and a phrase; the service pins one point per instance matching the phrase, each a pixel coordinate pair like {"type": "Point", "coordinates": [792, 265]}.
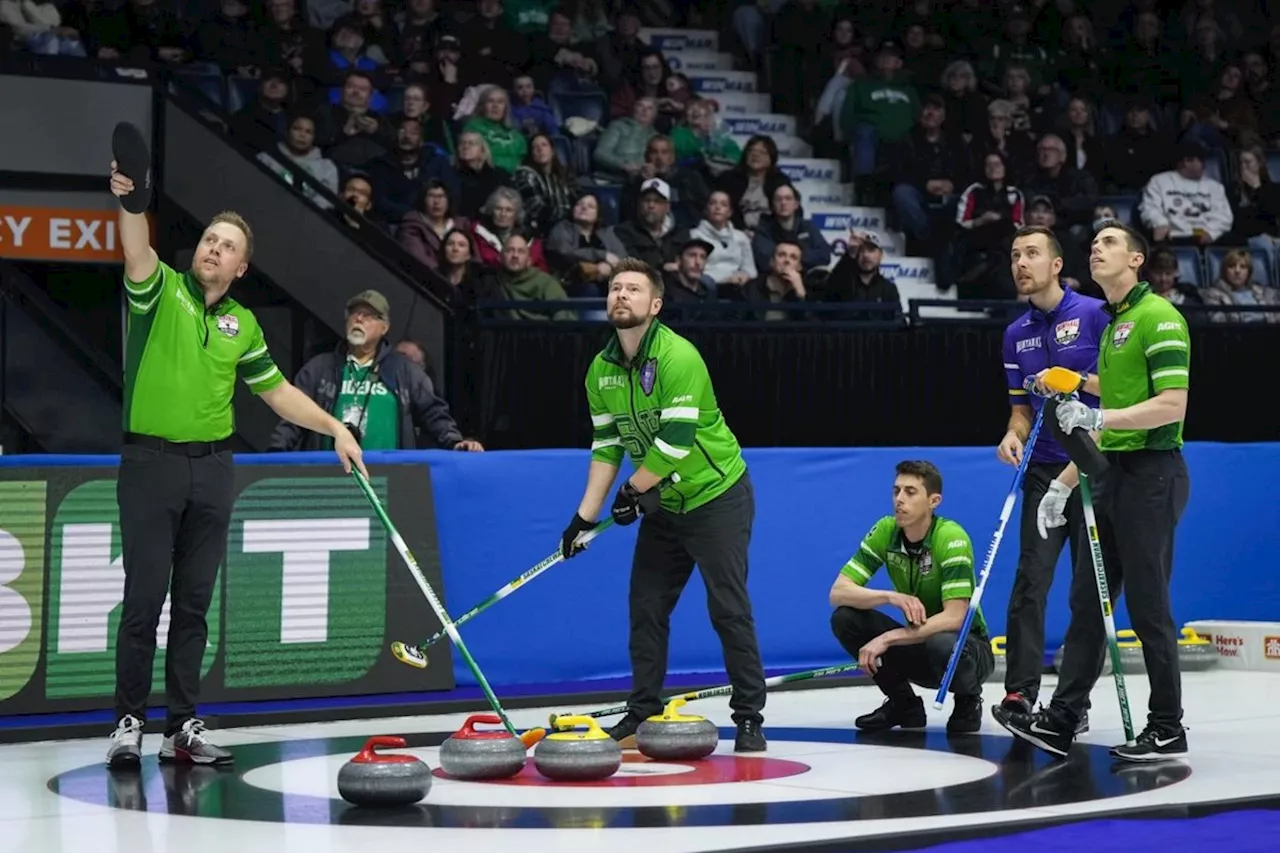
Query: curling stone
{"type": "Point", "coordinates": [577, 756]}
{"type": "Point", "coordinates": [1195, 653]}
{"type": "Point", "coordinates": [672, 736]}
{"type": "Point", "coordinates": [381, 780]}
{"type": "Point", "coordinates": [1131, 660]}
{"type": "Point", "coordinates": [469, 754]}
{"type": "Point", "coordinates": [1001, 660]}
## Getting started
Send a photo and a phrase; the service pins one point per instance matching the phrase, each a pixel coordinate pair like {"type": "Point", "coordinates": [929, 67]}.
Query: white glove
{"type": "Point", "coordinates": [1052, 509]}
{"type": "Point", "coordinates": [1076, 415]}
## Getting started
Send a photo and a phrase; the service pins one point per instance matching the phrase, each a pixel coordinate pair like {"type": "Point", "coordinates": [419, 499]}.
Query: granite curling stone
{"type": "Point", "coordinates": [577, 756]}
{"type": "Point", "coordinates": [472, 755]}
{"type": "Point", "coordinates": [379, 780]}
{"type": "Point", "coordinates": [672, 736]}
{"type": "Point", "coordinates": [1001, 660]}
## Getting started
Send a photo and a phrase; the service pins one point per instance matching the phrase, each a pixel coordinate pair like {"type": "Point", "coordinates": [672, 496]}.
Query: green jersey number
{"type": "Point", "coordinates": [637, 434]}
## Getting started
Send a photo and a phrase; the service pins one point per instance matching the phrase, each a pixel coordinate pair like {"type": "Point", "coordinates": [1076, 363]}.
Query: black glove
{"type": "Point", "coordinates": [579, 525]}
{"type": "Point", "coordinates": [630, 504]}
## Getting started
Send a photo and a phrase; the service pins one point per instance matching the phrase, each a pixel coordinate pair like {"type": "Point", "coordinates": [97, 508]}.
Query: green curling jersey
{"type": "Point", "coordinates": [940, 571]}
{"type": "Point", "coordinates": [662, 411]}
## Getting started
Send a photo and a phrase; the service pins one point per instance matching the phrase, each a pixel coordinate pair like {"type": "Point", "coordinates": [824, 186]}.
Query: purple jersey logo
{"type": "Point", "coordinates": [648, 375]}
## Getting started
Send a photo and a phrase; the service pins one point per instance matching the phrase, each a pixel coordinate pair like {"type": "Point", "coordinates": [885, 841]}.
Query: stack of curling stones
{"type": "Point", "coordinates": [480, 755]}
{"type": "Point", "coordinates": [1195, 654]}
{"type": "Point", "coordinates": [569, 755]}
{"type": "Point", "coordinates": [672, 736]}
{"type": "Point", "coordinates": [377, 780]}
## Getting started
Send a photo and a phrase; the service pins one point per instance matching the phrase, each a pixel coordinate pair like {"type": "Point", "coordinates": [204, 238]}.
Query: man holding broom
{"type": "Point", "coordinates": [1143, 375]}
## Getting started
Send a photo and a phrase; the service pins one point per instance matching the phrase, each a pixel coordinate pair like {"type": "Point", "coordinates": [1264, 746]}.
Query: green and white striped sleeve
{"type": "Point", "coordinates": [256, 368]}
{"type": "Point", "coordinates": [606, 442]}
{"type": "Point", "coordinates": [869, 557]}
{"type": "Point", "coordinates": [955, 559]}
{"type": "Point", "coordinates": [143, 296]}
{"type": "Point", "coordinates": [682, 386]}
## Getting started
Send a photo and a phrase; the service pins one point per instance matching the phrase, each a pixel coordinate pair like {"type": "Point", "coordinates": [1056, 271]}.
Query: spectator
{"type": "Point", "coordinates": [1078, 130]}
{"type": "Point", "coordinates": [1236, 286]}
{"type": "Point", "coordinates": [1183, 206]}
{"type": "Point", "coordinates": [1162, 272]}
{"type": "Point", "coordinates": [622, 50]}
{"type": "Point", "coordinates": [700, 143]}
{"type": "Point", "coordinates": [502, 216]}
{"type": "Point", "coordinates": [1255, 206]}
{"type": "Point", "coordinates": [879, 108]}
{"type": "Point", "coordinates": [477, 177]}
{"type": "Point", "coordinates": [1145, 67]}
{"type": "Point", "coordinates": [516, 280]}
{"type": "Point", "coordinates": [1029, 109]}
{"type": "Point", "coordinates": [529, 112]}
{"type": "Point", "coordinates": [1083, 60]}
{"type": "Point", "coordinates": [381, 396]}
{"type": "Point", "coordinates": [688, 188]}
{"type": "Point", "coordinates": [753, 181]}
{"type": "Point", "coordinates": [436, 130]}
{"type": "Point", "coordinates": [290, 43]}
{"type": "Point", "coordinates": [528, 17]}
{"type": "Point", "coordinates": [263, 123]}
{"type": "Point", "coordinates": [546, 186]}
{"type": "Point", "coordinates": [357, 192]}
{"type": "Point", "coordinates": [1075, 262]}
{"type": "Point", "coordinates": [800, 28]}
{"type": "Point", "coordinates": [1073, 191]}
{"type": "Point", "coordinates": [444, 75]}
{"type": "Point", "coordinates": [583, 252]}
{"type": "Point", "coordinates": [231, 39]}
{"type": "Point", "coordinates": [655, 81]}
{"type": "Point", "coordinates": [1201, 65]}
{"type": "Point", "coordinates": [353, 133]}
{"type": "Point", "coordinates": [1016, 150]}
{"type": "Point", "coordinates": [349, 50]}
{"type": "Point", "coordinates": [492, 120]}
{"type": "Point", "coordinates": [783, 282]}
{"type": "Point", "coordinates": [648, 235]}
{"type": "Point", "coordinates": [495, 53]}
{"type": "Point", "coordinates": [922, 61]}
{"type": "Point", "coordinates": [299, 149]}
{"type": "Point", "coordinates": [423, 229]}
{"type": "Point", "coordinates": [1264, 95]}
{"type": "Point", "coordinates": [786, 221]}
{"type": "Point", "coordinates": [966, 107]}
{"type": "Point", "coordinates": [731, 261]}
{"type": "Point", "coordinates": [620, 151]}
{"type": "Point", "coordinates": [931, 166]}
{"type": "Point", "coordinates": [398, 178]}
{"type": "Point", "coordinates": [323, 13]}
{"type": "Point", "coordinates": [379, 33]}
{"type": "Point", "coordinates": [39, 25]}
{"type": "Point", "coordinates": [688, 285]}
{"type": "Point", "coordinates": [458, 267]}
{"type": "Point", "coordinates": [1017, 48]}
{"type": "Point", "coordinates": [990, 211]}
{"type": "Point", "coordinates": [555, 53]}
{"type": "Point", "coordinates": [417, 27]}
{"type": "Point", "coordinates": [1223, 116]}
{"type": "Point", "coordinates": [1134, 154]}
{"type": "Point", "coordinates": [857, 276]}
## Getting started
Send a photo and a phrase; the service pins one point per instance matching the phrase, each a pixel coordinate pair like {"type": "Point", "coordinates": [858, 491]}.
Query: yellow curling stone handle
{"type": "Point", "coordinates": [593, 732]}
{"type": "Point", "coordinates": [671, 714]}
{"type": "Point", "coordinates": [998, 644]}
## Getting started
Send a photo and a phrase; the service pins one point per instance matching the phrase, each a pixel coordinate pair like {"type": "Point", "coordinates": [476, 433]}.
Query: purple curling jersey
{"type": "Point", "coordinates": [1067, 336]}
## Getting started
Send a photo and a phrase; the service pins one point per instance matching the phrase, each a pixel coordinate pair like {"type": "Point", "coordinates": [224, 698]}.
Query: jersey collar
{"type": "Point", "coordinates": [197, 293]}
{"type": "Point", "coordinates": [1068, 299]}
{"type": "Point", "coordinates": [1132, 298]}
{"type": "Point", "coordinates": [613, 350]}
{"type": "Point", "coordinates": [896, 543]}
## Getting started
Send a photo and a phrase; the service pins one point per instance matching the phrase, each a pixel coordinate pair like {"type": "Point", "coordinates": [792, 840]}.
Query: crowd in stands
{"type": "Point", "coordinates": [459, 127]}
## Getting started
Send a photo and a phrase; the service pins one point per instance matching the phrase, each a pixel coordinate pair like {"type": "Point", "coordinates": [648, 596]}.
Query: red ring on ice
{"type": "Point", "coordinates": [712, 770]}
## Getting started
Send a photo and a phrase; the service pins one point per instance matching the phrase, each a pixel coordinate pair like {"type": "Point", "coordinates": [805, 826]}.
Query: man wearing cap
{"type": "Point", "coordinates": [688, 286]}
{"type": "Point", "coordinates": [879, 108]}
{"type": "Point", "coordinates": [378, 393]}
{"type": "Point", "coordinates": [649, 236]}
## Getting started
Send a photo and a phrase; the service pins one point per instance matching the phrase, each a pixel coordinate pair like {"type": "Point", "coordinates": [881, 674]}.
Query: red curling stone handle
{"type": "Point", "coordinates": [368, 755]}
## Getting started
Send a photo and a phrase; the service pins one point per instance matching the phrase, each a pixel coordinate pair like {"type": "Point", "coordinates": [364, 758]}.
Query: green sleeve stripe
{"type": "Point", "coordinates": [253, 354]}
{"type": "Point", "coordinates": [261, 364]}
{"type": "Point", "coordinates": [1168, 358]}
{"type": "Point", "coordinates": [144, 288]}
{"type": "Point", "coordinates": [856, 572]}
{"type": "Point", "coordinates": [601, 443]}
{"type": "Point", "coordinates": [605, 432]}
{"type": "Point", "coordinates": [958, 560]}
{"type": "Point", "coordinates": [676, 453]}
{"type": "Point", "coordinates": [679, 434]}
{"type": "Point", "coordinates": [260, 378]}
{"type": "Point", "coordinates": [1174, 377]}
{"type": "Point", "coordinates": [961, 584]}
{"type": "Point", "coordinates": [143, 307]}
{"type": "Point", "coordinates": [658, 462]}
{"type": "Point", "coordinates": [680, 413]}
{"type": "Point", "coordinates": [604, 420]}
{"type": "Point", "coordinates": [1164, 345]}
{"type": "Point", "coordinates": [610, 455]}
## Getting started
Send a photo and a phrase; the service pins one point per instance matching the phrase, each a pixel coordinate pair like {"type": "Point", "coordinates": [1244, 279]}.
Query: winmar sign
{"type": "Point", "coordinates": [306, 600]}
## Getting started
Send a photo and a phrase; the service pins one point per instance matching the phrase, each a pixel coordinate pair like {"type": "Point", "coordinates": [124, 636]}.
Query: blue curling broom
{"type": "Point", "coordinates": [1005, 512]}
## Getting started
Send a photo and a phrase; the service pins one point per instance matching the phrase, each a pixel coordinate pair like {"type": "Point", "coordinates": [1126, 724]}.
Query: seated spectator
{"type": "Point", "coordinates": [648, 234]}
{"type": "Point", "coordinates": [435, 128]}
{"type": "Point", "coordinates": [1078, 131]}
{"type": "Point", "coordinates": [1162, 273]}
{"type": "Point", "coordinates": [688, 188]}
{"type": "Point", "coordinates": [382, 397]}
{"type": "Point", "coordinates": [650, 82]}
{"type": "Point", "coordinates": [291, 43]}
{"type": "Point", "coordinates": [622, 49]}
{"type": "Point", "coordinates": [417, 27]}
{"type": "Point", "coordinates": [1264, 94]}
{"type": "Point", "coordinates": [398, 178]}
{"type": "Point", "coordinates": [922, 60]}
{"type": "Point", "coordinates": [1041, 211]}
{"type": "Point", "coordinates": [1236, 286]}
{"type": "Point", "coordinates": [444, 75]}
{"type": "Point", "coordinates": [1016, 150]}
{"type": "Point", "coordinates": [581, 251]}
{"type": "Point", "coordinates": [857, 276]}
{"type": "Point", "coordinates": [700, 142]}
{"type": "Point", "coordinates": [502, 216]}
{"type": "Point", "coordinates": [263, 123]}
{"type": "Point", "coordinates": [1015, 47]}
{"type": "Point", "coordinates": [517, 280]}
{"type": "Point", "coordinates": [1083, 60]}
{"type": "Point", "coordinates": [753, 181]}
{"type": "Point", "coordinates": [688, 286]}
{"type": "Point", "coordinates": [1223, 116]}
{"type": "Point", "coordinates": [676, 95]}
{"type": "Point", "coordinates": [379, 33]}
{"type": "Point", "coordinates": [731, 261]}
{"type": "Point", "coordinates": [350, 50]}
{"type": "Point", "coordinates": [1183, 206]}
{"type": "Point", "coordinates": [351, 131]}
{"type": "Point", "coordinates": [477, 177]}
{"type": "Point", "coordinates": [1255, 206]}
{"type": "Point", "coordinates": [530, 112]}
{"type": "Point", "coordinates": [989, 211]}
{"type": "Point", "coordinates": [492, 120]}
{"type": "Point", "coordinates": [620, 150]}
{"type": "Point", "coordinates": [1072, 191]}
{"type": "Point", "coordinates": [299, 149]}
{"type": "Point", "coordinates": [39, 26]}
{"type": "Point", "coordinates": [966, 107]}
{"type": "Point", "coordinates": [358, 193]}
{"type": "Point", "coordinates": [1134, 154]}
{"type": "Point", "coordinates": [495, 52]}
{"type": "Point", "coordinates": [458, 268]}
{"type": "Point", "coordinates": [878, 109]}
{"type": "Point", "coordinates": [546, 186]}
{"type": "Point", "coordinates": [423, 229]}
{"type": "Point", "coordinates": [231, 39]}
{"type": "Point", "coordinates": [783, 282]}
{"type": "Point", "coordinates": [554, 52]}
{"type": "Point", "coordinates": [931, 166]}
{"type": "Point", "coordinates": [786, 222]}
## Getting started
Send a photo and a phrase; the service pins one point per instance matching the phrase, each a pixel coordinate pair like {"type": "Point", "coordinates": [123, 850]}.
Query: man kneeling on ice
{"type": "Point", "coordinates": [930, 563]}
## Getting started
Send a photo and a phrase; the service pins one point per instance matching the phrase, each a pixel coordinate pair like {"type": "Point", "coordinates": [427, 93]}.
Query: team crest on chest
{"type": "Point", "coordinates": [926, 563]}
{"type": "Point", "coordinates": [1121, 334]}
{"type": "Point", "coordinates": [648, 376]}
{"type": "Point", "coordinates": [1066, 332]}
{"type": "Point", "coordinates": [229, 325]}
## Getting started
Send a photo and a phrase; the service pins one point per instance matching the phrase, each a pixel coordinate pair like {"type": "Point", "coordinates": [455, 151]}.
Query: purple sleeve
{"type": "Point", "coordinates": [1013, 372]}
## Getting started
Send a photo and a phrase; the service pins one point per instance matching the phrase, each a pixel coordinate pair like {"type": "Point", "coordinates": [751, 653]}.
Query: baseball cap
{"type": "Point", "coordinates": [697, 241]}
{"type": "Point", "coordinates": [1042, 201]}
{"type": "Point", "coordinates": [656, 185]}
{"type": "Point", "coordinates": [374, 300]}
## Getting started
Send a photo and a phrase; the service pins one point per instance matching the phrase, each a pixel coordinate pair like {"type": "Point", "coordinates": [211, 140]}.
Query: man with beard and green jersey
{"type": "Point", "coordinates": [651, 399]}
